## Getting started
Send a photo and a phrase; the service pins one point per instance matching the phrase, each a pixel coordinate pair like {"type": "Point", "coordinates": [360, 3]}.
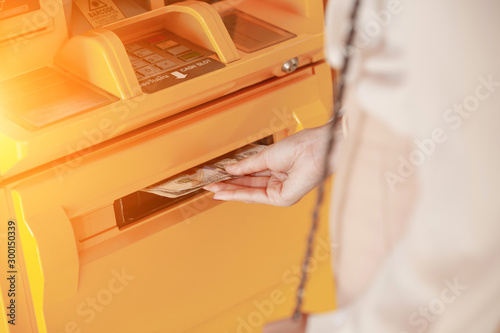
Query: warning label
{"type": "Point", "coordinates": [96, 4]}
{"type": "Point", "coordinates": [99, 12]}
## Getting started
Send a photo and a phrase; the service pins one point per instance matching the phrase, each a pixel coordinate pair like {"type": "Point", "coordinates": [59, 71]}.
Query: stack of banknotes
{"type": "Point", "coordinates": [204, 175]}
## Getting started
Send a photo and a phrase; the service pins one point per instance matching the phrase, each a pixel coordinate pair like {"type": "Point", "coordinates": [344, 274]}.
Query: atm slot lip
{"type": "Point", "coordinates": [95, 235]}
{"type": "Point", "coordinates": [139, 206]}
{"type": "Point", "coordinates": [126, 219]}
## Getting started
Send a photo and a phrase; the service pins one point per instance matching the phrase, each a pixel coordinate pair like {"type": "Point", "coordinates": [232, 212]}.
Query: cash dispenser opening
{"type": "Point", "coordinates": [140, 205]}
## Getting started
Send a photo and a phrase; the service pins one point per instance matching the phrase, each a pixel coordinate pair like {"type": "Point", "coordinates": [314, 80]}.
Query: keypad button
{"type": "Point", "coordinates": [143, 53]}
{"type": "Point", "coordinates": [153, 58]}
{"type": "Point", "coordinates": [149, 70]}
{"type": "Point", "coordinates": [155, 39]}
{"type": "Point", "coordinates": [166, 44]}
{"type": "Point", "coordinates": [189, 56]}
{"type": "Point", "coordinates": [133, 47]}
{"type": "Point", "coordinates": [178, 50]}
{"type": "Point", "coordinates": [139, 76]}
{"type": "Point", "coordinates": [138, 64]}
{"type": "Point", "coordinates": [165, 64]}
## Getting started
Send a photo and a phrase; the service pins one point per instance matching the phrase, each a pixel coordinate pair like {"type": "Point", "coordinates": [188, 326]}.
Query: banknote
{"type": "Point", "coordinates": [204, 175]}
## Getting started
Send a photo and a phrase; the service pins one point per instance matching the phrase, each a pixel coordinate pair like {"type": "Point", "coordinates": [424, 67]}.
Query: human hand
{"type": "Point", "coordinates": [281, 174]}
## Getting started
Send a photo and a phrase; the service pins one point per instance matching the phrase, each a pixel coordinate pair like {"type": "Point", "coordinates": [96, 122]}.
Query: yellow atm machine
{"type": "Point", "coordinates": [100, 99]}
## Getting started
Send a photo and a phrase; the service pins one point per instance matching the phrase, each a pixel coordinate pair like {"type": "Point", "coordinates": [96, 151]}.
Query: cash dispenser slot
{"type": "Point", "coordinates": [140, 205]}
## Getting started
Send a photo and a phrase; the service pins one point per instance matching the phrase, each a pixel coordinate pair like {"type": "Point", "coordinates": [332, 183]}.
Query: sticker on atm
{"type": "Point", "coordinates": [99, 12]}
{"type": "Point", "coordinates": [180, 74]}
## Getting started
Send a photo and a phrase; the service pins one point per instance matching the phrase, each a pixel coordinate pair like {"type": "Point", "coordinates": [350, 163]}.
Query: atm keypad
{"type": "Point", "coordinates": [168, 58]}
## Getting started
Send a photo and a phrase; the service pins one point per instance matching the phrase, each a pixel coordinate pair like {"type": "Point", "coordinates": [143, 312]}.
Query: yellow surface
{"type": "Point", "coordinates": [199, 266]}
{"type": "Point", "coordinates": [101, 47]}
{"type": "Point", "coordinates": [30, 41]}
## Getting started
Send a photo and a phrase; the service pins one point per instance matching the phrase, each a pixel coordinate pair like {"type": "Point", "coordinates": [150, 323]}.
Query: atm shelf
{"type": "Point", "coordinates": [45, 96]}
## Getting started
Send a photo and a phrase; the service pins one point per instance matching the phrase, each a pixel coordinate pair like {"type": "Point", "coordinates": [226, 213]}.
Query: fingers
{"type": "Point", "coordinates": [248, 195]}
{"type": "Point", "coordinates": [266, 173]}
{"type": "Point", "coordinates": [238, 183]}
{"type": "Point", "coordinates": [231, 192]}
{"type": "Point", "coordinates": [243, 190]}
{"type": "Point", "coordinates": [249, 181]}
{"type": "Point", "coordinates": [250, 165]}
{"type": "Point", "coordinates": [222, 186]}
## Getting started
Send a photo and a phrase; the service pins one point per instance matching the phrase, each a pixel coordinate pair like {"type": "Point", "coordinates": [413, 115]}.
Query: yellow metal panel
{"type": "Point", "coordinates": [212, 256]}
{"type": "Point", "coordinates": [33, 265]}
{"type": "Point", "coordinates": [199, 266]}
{"type": "Point", "coordinates": [191, 272]}
{"type": "Point", "coordinates": [10, 153]}
{"type": "Point", "coordinates": [99, 58]}
{"type": "Point", "coordinates": [95, 57]}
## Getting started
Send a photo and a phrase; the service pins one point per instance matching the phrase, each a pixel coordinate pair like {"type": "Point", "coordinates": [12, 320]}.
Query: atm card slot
{"type": "Point", "coordinates": [139, 205]}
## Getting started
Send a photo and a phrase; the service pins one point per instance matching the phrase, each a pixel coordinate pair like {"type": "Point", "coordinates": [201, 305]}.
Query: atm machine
{"type": "Point", "coordinates": [100, 99]}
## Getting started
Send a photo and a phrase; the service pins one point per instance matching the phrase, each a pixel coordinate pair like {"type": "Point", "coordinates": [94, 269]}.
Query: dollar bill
{"type": "Point", "coordinates": [204, 175]}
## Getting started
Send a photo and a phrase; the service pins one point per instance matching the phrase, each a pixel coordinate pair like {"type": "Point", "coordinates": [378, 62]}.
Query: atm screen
{"type": "Point", "coordinates": [9, 8]}
{"type": "Point", "coordinates": [251, 34]}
